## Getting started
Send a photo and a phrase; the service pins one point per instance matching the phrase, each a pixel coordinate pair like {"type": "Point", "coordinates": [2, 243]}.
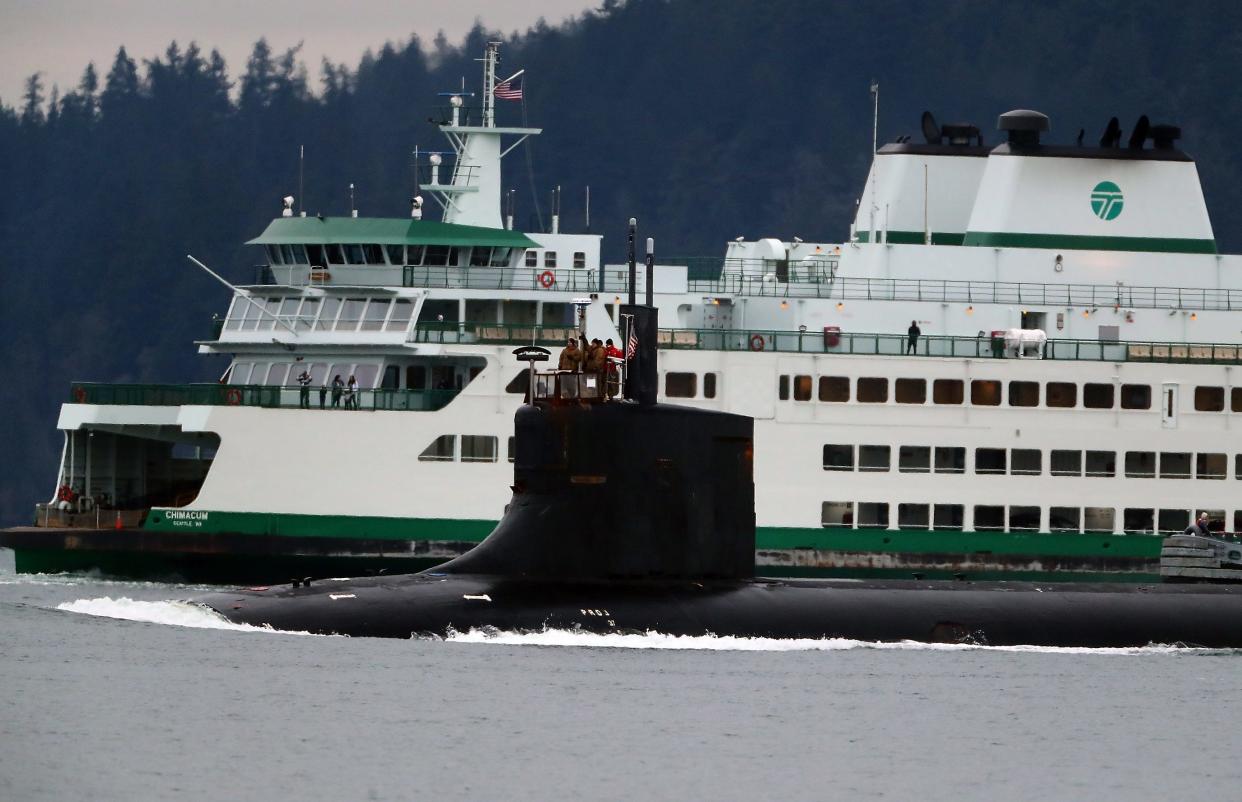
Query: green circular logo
{"type": "Point", "coordinates": [1106, 200]}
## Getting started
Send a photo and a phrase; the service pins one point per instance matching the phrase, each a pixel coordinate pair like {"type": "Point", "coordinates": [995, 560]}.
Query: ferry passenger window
{"type": "Point", "coordinates": [835, 389]}
{"type": "Point", "coordinates": [838, 458]}
{"type": "Point", "coordinates": [299, 255]}
{"type": "Point", "coordinates": [1101, 463]}
{"type": "Point", "coordinates": [802, 388]}
{"type": "Point", "coordinates": [950, 459]}
{"type": "Point", "coordinates": [1140, 464]}
{"type": "Point", "coordinates": [872, 514]}
{"type": "Point", "coordinates": [416, 377]}
{"type": "Point", "coordinates": [1209, 399]}
{"type": "Point", "coordinates": [948, 516]}
{"type": "Point", "coordinates": [914, 459]}
{"type": "Point", "coordinates": [1024, 519]}
{"type": "Point", "coordinates": [1216, 520]}
{"type": "Point", "coordinates": [392, 378]}
{"type": "Point", "coordinates": [1023, 394]}
{"type": "Point", "coordinates": [314, 256]}
{"type": "Point", "coordinates": [1235, 399]}
{"type": "Point", "coordinates": [286, 251]}
{"type": "Point", "coordinates": [989, 518]}
{"type": "Point", "coordinates": [549, 259]}
{"type": "Point", "coordinates": [402, 310]}
{"type": "Point", "coordinates": [1065, 463]}
{"type": "Point", "coordinates": [354, 254]}
{"type": "Point", "coordinates": [414, 254]}
{"type": "Point", "coordinates": [240, 373]}
{"type": "Point", "coordinates": [1174, 465]}
{"type": "Point", "coordinates": [276, 374]}
{"type": "Point", "coordinates": [377, 311]}
{"type": "Point", "coordinates": [1098, 519]}
{"type": "Point", "coordinates": [1135, 396]}
{"type": "Point", "coordinates": [273, 254]}
{"type": "Point", "coordinates": [1210, 466]}
{"type": "Point", "coordinates": [989, 460]}
{"type": "Point", "coordinates": [437, 255]}
{"type": "Point", "coordinates": [440, 450]}
{"type": "Point", "coordinates": [480, 256]}
{"type": "Point", "coordinates": [1097, 396]}
{"type": "Point", "coordinates": [985, 393]}
{"type": "Point", "coordinates": [1138, 521]}
{"type": "Point", "coordinates": [327, 318]}
{"type": "Point", "coordinates": [237, 309]}
{"type": "Point", "coordinates": [520, 383]}
{"type": "Point", "coordinates": [351, 314]}
{"type": "Point", "coordinates": [511, 449]}
{"type": "Point", "coordinates": [267, 318]}
{"type": "Point", "coordinates": [366, 376]}
{"type": "Point", "coordinates": [782, 390]}
{"type": "Point", "coordinates": [680, 385]}
{"type": "Point", "coordinates": [289, 310]}
{"type": "Point", "coordinates": [532, 258]}
{"type": "Point", "coordinates": [913, 516]}
{"type": "Point", "coordinates": [579, 258]}
{"type": "Point", "coordinates": [1025, 462]}
{"type": "Point", "coordinates": [1064, 519]}
{"type": "Point", "coordinates": [500, 257]}
{"type": "Point", "coordinates": [1061, 395]}
{"type": "Point", "coordinates": [307, 314]}
{"type": "Point", "coordinates": [874, 458]}
{"type": "Point", "coordinates": [910, 391]}
{"type": "Point", "coordinates": [873, 391]}
{"type": "Point", "coordinates": [709, 385]}
{"type": "Point", "coordinates": [1173, 522]}
{"type": "Point", "coordinates": [478, 448]}
{"type": "Point", "coordinates": [318, 373]}
{"type": "Point", "coordinates": [396, 254]}
{"type": "Point", "coordinates": [837, 514]}
{"type": "Point", "coordinates": [335, 255]}
{"type": "Point", "coordinates": [947, 391]}
{"type": "Point", "coordinates": [341, 369]}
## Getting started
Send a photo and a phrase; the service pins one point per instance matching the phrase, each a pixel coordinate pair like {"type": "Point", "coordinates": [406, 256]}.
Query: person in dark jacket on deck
{"type": "Point", "coordinates": [1200, 527]}
{"type": "Point", "coordinates": [912, 337]}
{"type": "Point", "coordinates": [571, 357]}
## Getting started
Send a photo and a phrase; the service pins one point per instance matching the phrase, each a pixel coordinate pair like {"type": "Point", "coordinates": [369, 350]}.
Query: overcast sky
{"type": "Point", "coordinates": [59, 37]}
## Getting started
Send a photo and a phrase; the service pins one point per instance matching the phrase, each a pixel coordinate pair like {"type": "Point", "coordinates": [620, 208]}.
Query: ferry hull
{"type": "Point", "coordinates": [998, 614]}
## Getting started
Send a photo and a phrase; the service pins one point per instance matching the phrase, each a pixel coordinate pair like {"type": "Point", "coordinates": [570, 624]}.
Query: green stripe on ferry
{"type": "Point", "coordinates": [1073, 242]}
{"type": "Point", "coordinates": [918, 541]}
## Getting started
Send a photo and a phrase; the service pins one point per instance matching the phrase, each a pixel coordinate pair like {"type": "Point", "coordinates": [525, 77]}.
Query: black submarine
{"type": "Point", "coordinates": [632, 516]}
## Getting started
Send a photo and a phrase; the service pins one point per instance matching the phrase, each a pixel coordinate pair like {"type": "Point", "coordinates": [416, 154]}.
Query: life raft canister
{"type": "Point", "coordinates": [547, 278]}
{"type": "Point", "coordinates": [756, 342]}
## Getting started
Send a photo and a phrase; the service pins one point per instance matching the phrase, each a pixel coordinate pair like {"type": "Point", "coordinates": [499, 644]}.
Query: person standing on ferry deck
{"type": "Point", "coordinates": [1200, 527]}
{"type": "Point", "coordinates": [351, 393]}
{"type": "Point", "coordinates": [912, 337]}
{"type": "Point", "coordinates": [337, 386]}
{"type": "Point", "coordinates": [571, 357]}
{"type": "Point", "coordinates": [304, 382]}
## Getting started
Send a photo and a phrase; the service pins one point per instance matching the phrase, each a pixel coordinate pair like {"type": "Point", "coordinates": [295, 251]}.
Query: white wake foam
{"type": "Point", "coordinates": [657, 640]}
{"type": "Point", "coordinates": [172, 613]}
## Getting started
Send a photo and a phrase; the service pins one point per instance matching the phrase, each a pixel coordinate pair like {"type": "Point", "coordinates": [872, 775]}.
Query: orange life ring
{"type": "Point", "coordinates": [79, 395]}
{"type": "Point", "coordinates": [233, 396]}
{"type": "Point", "coordinates": [756, 342]}
{"type": "Point", "coordinates": [547, 278]}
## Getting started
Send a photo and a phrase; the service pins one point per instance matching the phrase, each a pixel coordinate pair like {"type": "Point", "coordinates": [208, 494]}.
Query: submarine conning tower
{"type": "Point", "coordinates": [622, 487]}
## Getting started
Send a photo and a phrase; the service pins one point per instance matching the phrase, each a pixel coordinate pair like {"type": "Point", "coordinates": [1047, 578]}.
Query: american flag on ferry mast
{"type": "Point", "coordinates": [631, 344]}
{"type": "Point", "coordinates": [509, 90]}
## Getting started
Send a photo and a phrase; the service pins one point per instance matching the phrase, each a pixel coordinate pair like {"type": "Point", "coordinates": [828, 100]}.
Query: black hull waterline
{"type": "Point", "coordinates": [997, 614]}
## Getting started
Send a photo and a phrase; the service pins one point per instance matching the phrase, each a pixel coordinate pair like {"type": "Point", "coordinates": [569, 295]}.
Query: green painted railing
{"type": "Point", "coordinates": [163, 395]}
{"type": "Point", "coordinates": [821, 342]}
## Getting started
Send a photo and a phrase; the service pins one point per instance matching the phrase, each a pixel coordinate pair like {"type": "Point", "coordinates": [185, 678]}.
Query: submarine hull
{"type": "Point", "coordinates": [998, 613]}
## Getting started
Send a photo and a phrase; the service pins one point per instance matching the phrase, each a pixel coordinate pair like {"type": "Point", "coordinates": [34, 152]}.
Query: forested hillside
{"type": "Point", "coordinates": [705, 120]}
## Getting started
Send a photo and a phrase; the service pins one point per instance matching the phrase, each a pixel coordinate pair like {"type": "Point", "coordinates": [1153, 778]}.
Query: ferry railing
{"type": "Point", "coordinates": [566, 279]}
{"type": "Point", "coordinates": [984, 346]}
{"type": "Point", "coordinates": [252, 395]}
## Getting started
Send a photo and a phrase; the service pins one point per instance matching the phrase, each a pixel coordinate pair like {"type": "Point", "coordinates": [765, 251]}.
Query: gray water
{"type": "Point", "coordinates": [113, 709]}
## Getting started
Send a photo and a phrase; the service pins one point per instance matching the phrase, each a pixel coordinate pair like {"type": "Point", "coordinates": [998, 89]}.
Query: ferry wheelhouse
{"type": "Point", "coordinates": [960, 453]}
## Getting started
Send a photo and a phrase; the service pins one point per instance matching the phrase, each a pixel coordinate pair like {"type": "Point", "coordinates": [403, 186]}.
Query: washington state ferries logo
{"type": "Point", "coordinates": [1106, 200]}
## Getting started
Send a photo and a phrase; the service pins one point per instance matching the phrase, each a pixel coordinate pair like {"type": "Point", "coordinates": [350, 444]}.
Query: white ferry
{"type": "Point", "coordinates": [1069, 397]}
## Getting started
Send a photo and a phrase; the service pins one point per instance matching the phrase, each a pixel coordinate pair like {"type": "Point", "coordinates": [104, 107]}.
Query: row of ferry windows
{"type": "Point", "coordinates": [322, 314]}
{"type": "Point", "coordinates": [997, 518]}
{"type": "Point", "coordinates": [285, 374]}
{"type": "Point", "coordinates": [364, 253]}
{"type": "Point", "coordinates": [983, 392]}
{"type": "Point", "coordinates": [1030, 462]}
{"type": "Point", "coordinates": [549, 258]}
